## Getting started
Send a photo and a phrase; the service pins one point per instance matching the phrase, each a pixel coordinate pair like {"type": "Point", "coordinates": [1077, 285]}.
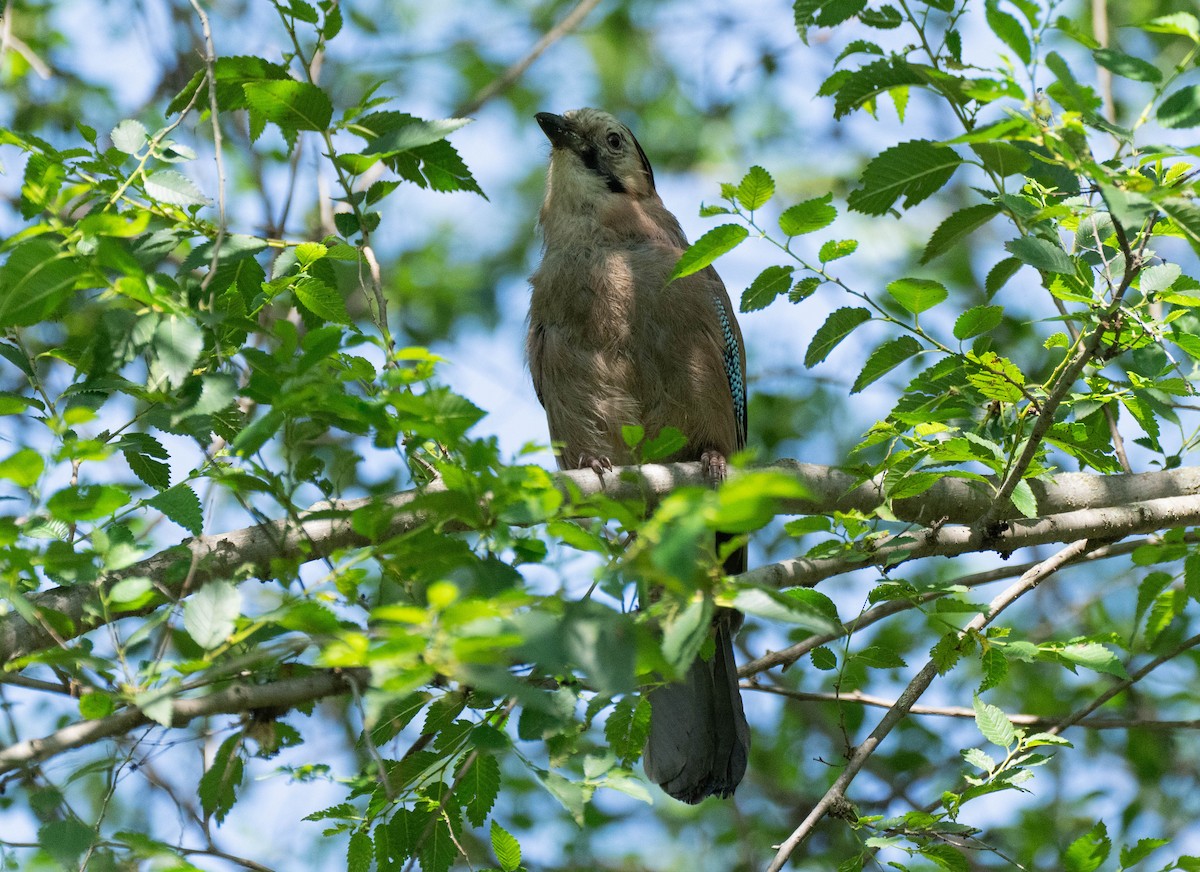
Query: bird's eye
{"type": "Point", "coordinates": [614, 141]}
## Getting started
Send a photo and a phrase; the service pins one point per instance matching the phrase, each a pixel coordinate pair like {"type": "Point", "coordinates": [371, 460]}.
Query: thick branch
{"type": "Point", "coordinates": [1167, 500]}
{"type": "Point", "coordinates": [284, 694]}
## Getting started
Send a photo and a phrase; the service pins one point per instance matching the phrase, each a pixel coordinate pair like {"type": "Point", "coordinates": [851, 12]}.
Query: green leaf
{"type": "Point", "coordinates": [755, 189]}
{"type": "Point", "coordinates": [1009, 30]}
{"type": "Point", "coordinates": [87, 502]}
{"type": "Point", "coordinates": [1185, 218]}
{"type": "Point", "coordinates": [322, 300]}
{"type": "Point", "coordinates": [664, 444]}
{"type": "Point", "coordinates": [1041, 254]}
{"type": "Point", "coordinates": [956, 227]}
{"type": "Point", "coordinates": [359, 852]}
{"type": "Point", "coordinates": [1002, 158]}
{"type": "Point", "coordinates": [1127, 66]}
{"type": "Point", "coordinates": [210, 614]}
{"type": "Point", "coordinates": [177, 345]}
{"type": "Point", "coordinates": [478, 786]}
{"type": "Point", "coordinates": [174, 188]}
{"type": "Point", "coordinates": [290, 104]}
{"type": "Point", "coordinates": [885, 358]}
{"type": "Point", "coordinates": [917, 295]}
{"type": "Point", "coordinates": [823, 13]}
{"type": "Point", "coordinates": [23, 468]}
{"type": "Point", "coordinates": [685, 633]}
{"type": "Point", "coordinates": [776, 606]}
{"type": "Point", "coordinates": [1133, 854]}
{"type": "Point", "coordinates": [413, 133]}
{"type": "Point", "coordinates": [1094, 656]}
{"type": "Point", "coordinates": [708, 248]}
{"type": "Point", "coordinates": [996, 377]}
{"type": "Point", "coordinates": [506, 848]}
{"type": "Point", "coordinates": [181, 505]}
{"type": "Point", "coordinates": [836, 249]}
{"type": "Point", "coordinates": [840, 324]}
{"type": "Point", "coordinates": [129, 136]}
{"type": "Point", "coordinates": [1088, 852]}
{"type": "Point", "coordinates": [878, 657]}
{"type": "Point", "coordinates": [34, 282]}
{"type": "Point", "coordinates": [627, 726]}
{"type": "Point", "coordinates": [770, 283]}
{"type": "Point", "coordinates": [914, 170]}
{"type": "Point", "coordinates": [94, 705]}
{"type": "Point", "coordinates": [1068, 91]}
{"type": "Point", "coordinates": [1177, 23]}
{"type": "Point", "coordinates": [823, 659]}
{"type": "Point", "coordinates": [862, 85]}
{"type": "Point", "coordinates": [977, 320]}
{"type": "Point", "coordinates": [219, 784]}
{"type": "Point", "coordinates": [66, 841]}
{"type": "Point", "coordinates": [808, 216]}
{"type": "Point", "coordinates": [1024, 499]}
{"type": "Point", "coordinates": [994, 724]}
{"type": "Point", "coordinates": [999, 275]}
{"type": "Point", "coordinates": [804, 289]}
{"type": "Point", "coordinates": [1181, 109]}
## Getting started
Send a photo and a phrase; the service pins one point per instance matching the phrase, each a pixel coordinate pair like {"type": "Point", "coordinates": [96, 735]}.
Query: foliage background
{"type": "Point", "coordinates": [710, 91]}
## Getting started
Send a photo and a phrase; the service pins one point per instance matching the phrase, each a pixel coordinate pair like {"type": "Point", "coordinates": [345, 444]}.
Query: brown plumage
{"type": "Point", "coordinates": [611, 343]}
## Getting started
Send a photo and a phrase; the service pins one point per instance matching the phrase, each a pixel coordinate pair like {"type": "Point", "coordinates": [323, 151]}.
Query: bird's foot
{"type": "Point", "coordinates": [598, 465]}
{"type": "Point", "coordinates": [714, 466]}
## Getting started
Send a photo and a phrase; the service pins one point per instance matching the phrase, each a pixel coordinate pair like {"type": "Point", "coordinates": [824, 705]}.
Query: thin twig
{"type": "Point", "coordinates": [919, 684]}
{"type": "Point", "coordinates": [573, 19]}
{"type": "Point", "coordinates": [210, 60]}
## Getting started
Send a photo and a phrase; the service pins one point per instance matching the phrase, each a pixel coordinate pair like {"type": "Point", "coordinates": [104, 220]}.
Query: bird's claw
{"type": "Point", "coordinates": [598, 465]}
{"type": "Point", "coordinates": [714, 466]}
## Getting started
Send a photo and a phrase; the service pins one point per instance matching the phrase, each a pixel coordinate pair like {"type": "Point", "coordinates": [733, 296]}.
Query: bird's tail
{"type": "Point", "coordinates": [699, 740]}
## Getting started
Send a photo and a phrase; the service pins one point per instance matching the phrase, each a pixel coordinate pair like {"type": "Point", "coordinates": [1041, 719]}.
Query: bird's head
{"type": "Point", "coordinates": [593, 154]}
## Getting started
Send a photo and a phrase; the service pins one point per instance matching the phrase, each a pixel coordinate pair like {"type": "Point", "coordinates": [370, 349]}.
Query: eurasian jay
{"type": "Point", "coordinates": [611, 343]}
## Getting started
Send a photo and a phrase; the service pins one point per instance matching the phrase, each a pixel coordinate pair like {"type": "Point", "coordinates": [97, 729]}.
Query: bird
{"type": "Point", "coordinates": [613, 342]}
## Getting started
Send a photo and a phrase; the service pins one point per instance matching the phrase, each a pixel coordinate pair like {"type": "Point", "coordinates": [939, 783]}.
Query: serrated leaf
{"type": "Point", "coordinates": [35, 280]}
{"type": "Point", "coordinates": [879, 657]}
{"type": "Point", "coordinates": [414, 133]}
{"type": "Point", "coordinates": [1094, 656]}
{"type": "Point", "coordinates": [88, 502]}
{"type": "Point", "coordinates": [885, 358]}
{"type": "Point", "coordinates": [977, 320]}
{"type": "Point", "coordinates": [917, 295]}
{"type": "Point", "coordinates": [914, 170]}
{"type": "Point", "coordinates": [219, 783]}
{"type": "Point", "coordinates": [23, 468]}
{"type": "Point", "coordinates": [628, 726]}
{"type": "Point", "coordinates": [1009, 30]}
{"type": "Point", "coordinates": [177, 345]}
{"type": "Point", "coordinates": [478, 787]}
{"type": "Point", "coordinates": [211, 613]}
{"type": "Point", "coordinates": [860, 86]}
{"type": "Point", "coordinates": [708, 248]}
{"type": "Point", "coordinates": [322, 300]}
{"type": "Point", "coordinates": [999, 275]}
{"type": "Point", "coordinates": [1002, 158]}
{"type": "Point", "coordinates": [840, 324]}
{"type": "Point", "coordinates": [777, 606]}
{"type": "Point", "coordinates": [1088, 852]}
{"type": "Point", "coordinates": [755, 189]}
{"type": "Point", "coordinates": [836, 249]}
{"type": "Point", "coordinates": [290, 104]}
{"type": "Point", "coordinates": [359, 852]}
{"type": "Point", "coordinates": [181, 505]}
{"type": "Point", "coordinates": [174, 188]}
{"type": "Point", "coordinates": [996, 377]}
{"type": "Point", "coordinates": [803, 289]}
{"type": "Point", "coordinates": [129, 136]}
{"type": "Point", "coordinates": [506, 848]}
{"type": "Point", "coordinates": [1178, 23]}
{"type": "Point", "coordinates": [1127, 66]}
{"type": "Point", "coordinates": [1023, 498]}
{"type": "Point", "coordinates": [956, 227]}
{"type": "Point", "coordinates": [994, 724]}
{"type": "Point", "coordinates": [1181, 108]}
{"type": "Point", "coordinates": [808, 216]}
{"type": "Point", "coordinates": [148, 470]}
{"type": "Point", "coordinates": [1041, 254]}
{"type": "Point", "coordinates": [769, 284]}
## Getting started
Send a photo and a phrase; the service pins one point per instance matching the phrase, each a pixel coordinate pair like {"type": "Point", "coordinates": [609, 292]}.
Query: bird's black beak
{"type": "Point", "coordinates": [558, 130]}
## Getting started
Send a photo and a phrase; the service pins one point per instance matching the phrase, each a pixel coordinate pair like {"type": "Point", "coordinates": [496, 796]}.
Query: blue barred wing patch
{"type": "Point", "coordinates": [731, 352]}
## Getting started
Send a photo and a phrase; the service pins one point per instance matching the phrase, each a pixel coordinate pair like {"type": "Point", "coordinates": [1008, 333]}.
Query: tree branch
{"type": "Point", "coordinates": [1077, 506]}
{"type": "Point", "coordinates": [285, 693]}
